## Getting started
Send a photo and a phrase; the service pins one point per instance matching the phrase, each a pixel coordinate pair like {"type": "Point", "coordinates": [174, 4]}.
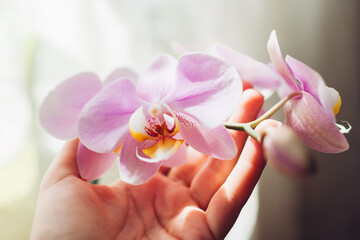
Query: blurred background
{"type": "Point", "coordinates": [45, 42]}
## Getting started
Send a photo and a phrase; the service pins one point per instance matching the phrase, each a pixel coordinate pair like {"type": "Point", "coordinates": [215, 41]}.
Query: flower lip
{"type": "Point", "coordinates": [163, 149]}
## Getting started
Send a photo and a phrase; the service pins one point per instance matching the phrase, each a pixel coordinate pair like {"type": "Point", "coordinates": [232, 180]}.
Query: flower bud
{"type": "Point", "coordinates": [286, 152]}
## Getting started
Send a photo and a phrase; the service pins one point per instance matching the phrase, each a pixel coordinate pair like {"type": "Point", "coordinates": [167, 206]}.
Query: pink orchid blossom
{"type": "Point", "coordinates": [284, 150]}
{"type": "Point", "coordinates": [171, 102]}
{"type": "Point", "coordinates": [250, 70]}
{"type": "Point", "coordinates": [59, 113]}
{"type": "Point", "coordinates": [312, 114]}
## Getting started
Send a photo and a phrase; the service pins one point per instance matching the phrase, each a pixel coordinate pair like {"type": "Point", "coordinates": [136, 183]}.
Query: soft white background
{"type": "Point", "coordinates": [44, 42]}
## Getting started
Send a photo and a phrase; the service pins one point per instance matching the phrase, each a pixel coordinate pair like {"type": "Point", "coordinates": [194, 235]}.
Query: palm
{"type": "Point", "coordinates": [158, 209]}
{"type": "Point", "coordinates": [199, 200]}
{"type": "Point", "coordinates": [162, 208]}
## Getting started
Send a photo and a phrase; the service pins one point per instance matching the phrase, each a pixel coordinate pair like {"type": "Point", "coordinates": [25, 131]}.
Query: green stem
{"type": "Point", "coordinates": [254, 134]}
{"type": "Point", "coordinates": [274, 109]}
{"type": "Point", "coordinates": [95, 182]}
{"type": "Point", "coordinates": [250, 126]}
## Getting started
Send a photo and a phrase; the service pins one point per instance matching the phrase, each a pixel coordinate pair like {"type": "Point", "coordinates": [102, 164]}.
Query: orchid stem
{"type": "Point", "coordinates": [250, 126]}
{"type": "Point", "coordinates": [274, 109]}
{"type": "Point", "coordinates": [95, 182]}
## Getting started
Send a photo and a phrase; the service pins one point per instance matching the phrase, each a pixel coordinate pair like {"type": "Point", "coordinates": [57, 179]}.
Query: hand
{"type": "Point", "coordinates": [198, 200]}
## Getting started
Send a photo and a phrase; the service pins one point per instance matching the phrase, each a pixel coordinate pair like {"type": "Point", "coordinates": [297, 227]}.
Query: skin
{"type": "Point", "coordinates": [198, 200]}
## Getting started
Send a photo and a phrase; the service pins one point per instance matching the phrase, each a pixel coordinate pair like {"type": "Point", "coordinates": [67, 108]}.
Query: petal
{"type": "Point", "coordinates": [308, 77]}
{"type": "Point", "coordinates": [138, 124]}
{"type": "Point", "coordinates": [250, 70]}
{"type": "Point", "coordinates": [216, 142]}
{"type": "Point", "coordinates": [279, 62]}
{"type": "Point", "coordinates": [60, 110]}
{"type": "Point", "coordinates": [104, 120]}
{"type": "Point", "coordinates": [157, 80]}
{"type": "Point", "coordinates": [284, 89]}
{"type": "Point", "coordinates": [122, 73]}
{"type": "Point", "coordinates": [177, 159]}
{"type": "Point", "coordinates": [310, 122]}
{"type": "Point", "coordinates": [92, 164]}
{"type": "Point", "coordinates": [132, 170]}
{"type": "Point", "coordinates": [206, 88]}
{"type": "Point", "coordinates": [286, 152]}
{"type": "Point", "coordinates": [314, 84]}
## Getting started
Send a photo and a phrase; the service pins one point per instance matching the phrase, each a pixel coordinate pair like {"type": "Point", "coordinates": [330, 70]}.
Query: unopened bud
{"type": "Point", "coordinates": [286, 152]}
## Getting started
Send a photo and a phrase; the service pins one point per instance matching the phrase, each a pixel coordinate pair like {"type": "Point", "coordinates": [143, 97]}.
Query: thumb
{"type": "Point", "coordinates": [64, 164]}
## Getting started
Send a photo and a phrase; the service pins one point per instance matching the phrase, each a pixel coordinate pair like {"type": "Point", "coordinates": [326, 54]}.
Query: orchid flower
{"type": "Point", "coordinates": [284, 150]}
{"type": "Point", "coordinates": [59, 113]}
{"type": "Point", "coordinates": [171, 102]}
{"type": "Point", "coordinates": [311, 114]}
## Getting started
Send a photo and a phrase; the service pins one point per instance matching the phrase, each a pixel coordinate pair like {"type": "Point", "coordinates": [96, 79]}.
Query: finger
{"type": "Point", "coordinates": [227, 202]}
{"type": "Point", "coordinates": [247, 111]}
{"type": "Point", "coordinates": [64, 164]}
{"type": "Point", "coordinates": [214, 172]}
